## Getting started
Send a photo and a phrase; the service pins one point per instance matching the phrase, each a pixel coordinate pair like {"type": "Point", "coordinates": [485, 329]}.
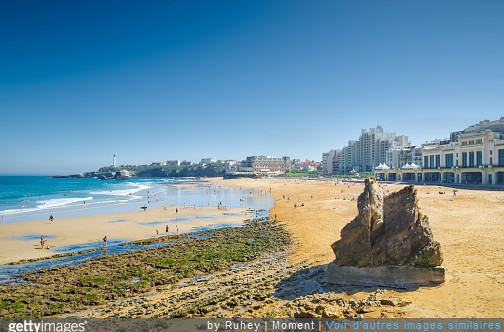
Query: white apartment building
{"type": "Point", "coordinates": [370, 150]}
{"type": "Point", "coordinates": [331, 162]}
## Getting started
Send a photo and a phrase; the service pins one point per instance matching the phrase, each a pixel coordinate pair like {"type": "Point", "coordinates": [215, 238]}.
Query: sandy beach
{"type": "Point", "coordinates": [122, 226]}
{"type": "Point", "coordinates": [469, 227]}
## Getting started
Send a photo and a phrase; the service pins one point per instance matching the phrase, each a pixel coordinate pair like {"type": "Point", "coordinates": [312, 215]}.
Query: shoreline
{"type": "Point", "coordinates": [108, 199]}
{"type": "Point", "coordinates": [124, 226]}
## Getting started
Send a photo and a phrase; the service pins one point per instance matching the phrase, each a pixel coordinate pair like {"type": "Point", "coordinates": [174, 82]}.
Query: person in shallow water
{"type": "Point", "coordinates": [104, 240]}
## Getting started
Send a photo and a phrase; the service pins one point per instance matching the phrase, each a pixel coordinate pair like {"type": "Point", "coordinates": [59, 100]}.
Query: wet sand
{"type": "Point", "coordinates": [125, 226]}
{"type": "Point", "coordinates": [470, 228]}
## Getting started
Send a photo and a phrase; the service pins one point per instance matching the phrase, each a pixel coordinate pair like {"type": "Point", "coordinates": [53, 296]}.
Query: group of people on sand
{"type": "Point", "coordinates": [220, 206]}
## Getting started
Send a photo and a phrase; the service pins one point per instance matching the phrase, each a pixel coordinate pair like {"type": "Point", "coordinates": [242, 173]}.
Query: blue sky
{"type": "Point", "coordinates": [159, 80]}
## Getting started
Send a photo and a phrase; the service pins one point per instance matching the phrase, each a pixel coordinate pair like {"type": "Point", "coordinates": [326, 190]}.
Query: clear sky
{"type": "Point", "coordinates": [160, 80]}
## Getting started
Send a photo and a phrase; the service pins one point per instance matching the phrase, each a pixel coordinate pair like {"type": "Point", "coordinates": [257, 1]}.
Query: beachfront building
{"type": "Point", "coordinates": [349, 157]}
{"type": "Point", "coordinates": [468, 157]}
{"type": "Point", "coordinates": [231, 166]}
{"type": "Point", "coordinates": [306, 166]}
{"type": "Point", "coordinates": [370, 150]}
{"type": "Point", "coordinates": [475, 158]}
{"type": "Point", "coordinates": [265, 164]}
{"type": "Point", "coordinates": [397, 157]}
{"type": "Point", "coordinates": [158, 163]}
{"type": "Point", "coordinates": [331, 162]}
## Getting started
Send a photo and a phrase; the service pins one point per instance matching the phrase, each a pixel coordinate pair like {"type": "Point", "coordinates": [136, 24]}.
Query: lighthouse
{"type": "Point", "coordinates": [114, 161]}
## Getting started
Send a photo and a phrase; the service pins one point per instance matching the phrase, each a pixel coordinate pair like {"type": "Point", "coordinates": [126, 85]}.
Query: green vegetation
{"type": "Point", "coordinates": [425, 259]}
{"type": "Point", "coordinates": [319, 174]}
{"type": "Point", "coordinates": [51, 292]}
{"type": "Point", "coordinates": [212, 170]}
{"type": "Point", "coordinates": [310, 174]}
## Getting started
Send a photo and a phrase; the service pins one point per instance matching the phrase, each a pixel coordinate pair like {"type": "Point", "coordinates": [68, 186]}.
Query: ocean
{"type": "Point", "coordinates": [27, 198]}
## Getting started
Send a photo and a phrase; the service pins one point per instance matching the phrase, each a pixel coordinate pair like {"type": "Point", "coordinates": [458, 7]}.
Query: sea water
{"type": "Point", "coordinates": [26, 198]}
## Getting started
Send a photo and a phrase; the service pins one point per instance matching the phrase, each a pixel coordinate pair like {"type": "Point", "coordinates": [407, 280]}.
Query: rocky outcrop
{"type": "Point", "coordinates": [387, 231]}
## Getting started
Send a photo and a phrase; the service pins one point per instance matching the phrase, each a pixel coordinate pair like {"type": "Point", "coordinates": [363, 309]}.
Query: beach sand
{"type": "Point", "coordinates": [470, 228]}
{"type": "Point", "coordinates": [123, 226]}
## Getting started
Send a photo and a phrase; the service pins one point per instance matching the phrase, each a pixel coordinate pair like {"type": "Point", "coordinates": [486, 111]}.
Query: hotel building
{"type": "Point", "coordinates": [469, 157]}
{"type": "Point", "coordinates": [264, 164]}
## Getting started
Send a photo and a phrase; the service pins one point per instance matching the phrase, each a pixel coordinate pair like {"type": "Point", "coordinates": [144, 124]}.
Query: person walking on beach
{"type": "Point", "coordinates": [51, 218]}
{"type": "Point", "coordinates": [176, 210]}
{"type": "Point", "coordinates": [167, 229]}
{"type": "Point", "coordinates": [177, 228]}
{"type": "Point", "coordinates": [104, 240]}
{"type": "Point", "coordinates": [42, 241]}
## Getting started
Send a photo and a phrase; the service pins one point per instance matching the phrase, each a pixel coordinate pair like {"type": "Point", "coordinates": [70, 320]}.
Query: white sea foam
{"type": "Point", "coordinates": [118, 201]}
{"type": "Point", "coordinates": [15, 211]}
{"type": "Point", "coordinates": [123, 192]}
{"type": "Point", "coordinates": [57, 202]}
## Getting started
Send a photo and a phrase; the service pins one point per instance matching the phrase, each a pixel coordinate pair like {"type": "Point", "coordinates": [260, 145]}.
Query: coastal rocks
{"type": "Point", "coordinates": [360, 235]}
{"type": "Point", "coordinates": [123, 174]}
{"type": "Point", "coordinates": [119, 175]}
{"type": "Point", "coordinates": [192, 256]}
{"type": "Point", "coordinates": [332, 305]}
{"type": "Point", "coordinates": [390, 233]}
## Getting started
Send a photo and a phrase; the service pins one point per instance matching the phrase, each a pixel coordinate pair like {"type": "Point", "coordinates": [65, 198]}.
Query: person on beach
{"type": "Point", "coordinates": [177, 228]}
{"type": "Point", "coordinates": [42, 241]}
{"type": "Point", "coordinates": [176, 210]}
{"type": "Point", "coordinates": [167, 229]}
{"type": "Point", "coordinates": [51, 218]}
{"type": "Point", "coordinates": [104, 240]}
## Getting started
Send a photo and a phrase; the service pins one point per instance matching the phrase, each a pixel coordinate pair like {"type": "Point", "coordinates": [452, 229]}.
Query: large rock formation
{"type": "Point", "coordinates": [388, 231]}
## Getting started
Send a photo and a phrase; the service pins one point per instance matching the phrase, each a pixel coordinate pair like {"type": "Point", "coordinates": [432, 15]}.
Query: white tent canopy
{"type": "Point", "coordinates": [382, 166]}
